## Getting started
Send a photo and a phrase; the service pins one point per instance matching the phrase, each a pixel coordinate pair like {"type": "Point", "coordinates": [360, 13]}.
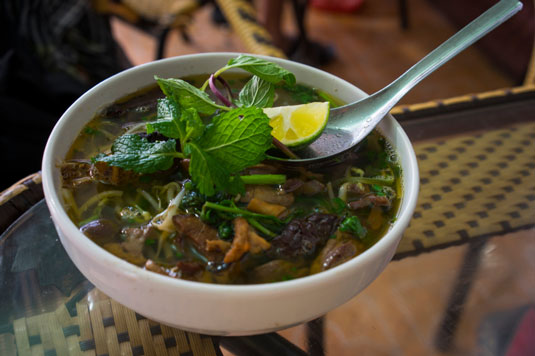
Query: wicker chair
{"type": "Point", "coordinates": [157, 18]}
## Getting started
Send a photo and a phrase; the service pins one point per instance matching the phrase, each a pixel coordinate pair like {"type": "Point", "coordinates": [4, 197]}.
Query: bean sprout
{"type": "Point", "coordinates": [157, 206]}
{"type": "Point", "coordinates": [163, 221]}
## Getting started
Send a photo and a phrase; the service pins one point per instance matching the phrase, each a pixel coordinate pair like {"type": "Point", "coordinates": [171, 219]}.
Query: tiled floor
{"type": "Point", "coordinates": [400, 312]}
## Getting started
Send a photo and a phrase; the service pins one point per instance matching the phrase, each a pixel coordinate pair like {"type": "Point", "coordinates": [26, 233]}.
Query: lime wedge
{"type": "Point", "coordinates": [298, 126]}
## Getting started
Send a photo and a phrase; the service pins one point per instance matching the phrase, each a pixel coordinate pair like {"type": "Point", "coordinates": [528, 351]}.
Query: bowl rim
{"type": "Point", "coordinates": [60, 216]}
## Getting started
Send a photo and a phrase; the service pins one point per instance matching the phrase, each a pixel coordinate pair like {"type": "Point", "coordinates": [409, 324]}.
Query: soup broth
{"type": "Point", "coordinates": [282, 225]}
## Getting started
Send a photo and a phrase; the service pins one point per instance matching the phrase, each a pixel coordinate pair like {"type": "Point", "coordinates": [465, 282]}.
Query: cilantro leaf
{"type": "Point", "coordinates": [268, 71]}
{"type": "Point", "coordinates": [238, 138]}
{"type": "Point", "coordinates": [257, 92]}
{"type": "Point", "coordinates": [132, 152]}
{"type": "Point", "coordinates": [187, 96]}
{"type": "Point", "coordinates": [209, 174]}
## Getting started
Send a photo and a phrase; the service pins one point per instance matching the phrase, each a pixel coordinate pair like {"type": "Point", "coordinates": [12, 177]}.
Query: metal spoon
{"type": "Point", "coordinates": [349, 124]}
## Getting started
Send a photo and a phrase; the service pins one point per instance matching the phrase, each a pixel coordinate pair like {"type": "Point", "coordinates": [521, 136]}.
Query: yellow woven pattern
{"type": "Point", "coordinates": [493, 94]}
{"type": "Point", "coordinates": [162, 11]}
{"type": "Point", "coordinates": [101, 327]}
{"type": "Point", "coordinates": [242, 17]}
{"type": "Point", "coordinates": [19, 187]}
{"type": "Point", "coordinates": [473, 185]}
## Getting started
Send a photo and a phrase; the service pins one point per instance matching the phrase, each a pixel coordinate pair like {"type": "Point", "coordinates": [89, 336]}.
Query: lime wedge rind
{"type": "Point", "coordinates": [297, 126]}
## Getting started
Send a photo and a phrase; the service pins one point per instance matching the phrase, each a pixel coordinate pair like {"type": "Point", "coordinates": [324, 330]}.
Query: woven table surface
{"type": "Point", "coordinates": [473, 185]}
{"type": "Point", "coordinates": [97, 325]}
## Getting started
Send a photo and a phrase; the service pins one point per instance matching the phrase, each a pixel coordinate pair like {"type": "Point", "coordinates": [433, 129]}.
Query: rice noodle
{"type": "Point", "coordinates": [97, 198]}
{"type": "Point", "coordinates": [135, 128]}
{"type": "Point", "coordinates": [68, 197]}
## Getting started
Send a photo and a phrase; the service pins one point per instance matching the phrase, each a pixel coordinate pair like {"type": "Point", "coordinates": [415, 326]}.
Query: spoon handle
{"type": "Point", "coordinates": [380, 103]}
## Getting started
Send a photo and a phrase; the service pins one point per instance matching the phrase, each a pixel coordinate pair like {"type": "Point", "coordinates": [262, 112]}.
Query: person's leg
{"type": "Point", "coordinates": [270, 14]}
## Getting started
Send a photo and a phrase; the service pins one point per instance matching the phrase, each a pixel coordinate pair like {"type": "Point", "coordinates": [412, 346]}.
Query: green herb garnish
{"type": "Point", "coordinates": [188, 96]}
{"type": "Point", "coordinates": [235, 139]}
{"type": "Point", "coordinates": [268, 71]}
{"type": "Point", "coordinates": [132, 152]}
{"type": "Point", "coordinates": [257, 92]}
{"type": "Point", "coordinates": [352, 225]}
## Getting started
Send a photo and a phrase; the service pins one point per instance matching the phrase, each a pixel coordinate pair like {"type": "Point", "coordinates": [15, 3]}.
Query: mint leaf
{"type": "Point", "coordinates": [194, 127]}
{"type": "Point", "coordinates": [257, 92]}
{"type": "Point", "coordinates": [132, 152]}
{"type": "Point", "coordinates": [268, 71]}
{"type": "Point", "coordinates": [238, 138]}
{"type": "Point", "coordinates": [188, 96]}
{"type": "Point", "coordinates": [235, 140]}
{"type": "Point", "coordinates": [184, 126]}
{"type": "Point", "coordinates": [209, 174]}
{"type": "Point", "coordinates": [168, 123]}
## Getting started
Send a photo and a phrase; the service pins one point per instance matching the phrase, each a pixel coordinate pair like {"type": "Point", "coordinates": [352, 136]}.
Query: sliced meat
{"type": "Point", "coordinates": [189, 268]}
{"type": "Point", "coordinates": [118, 250]}
{"type": "Point", "coordinates": [259, 206]}
{"type": "Point", "coordinates": [135, 238]}
{"type": "Point", "coordinates": [271, 271]}
{"type": "Point", "coordinates": [337, 251]}
{"type": "Point", "coordinates": [240, 243]}
{"type": "Point", "coordinates": [302, 237]}
{"type": "Point", "coordinates": [340, 253]}
{"type": "Point", "coordinates": [150, 265]}
{"type": "Point", "coordinates": [292, 185]}
{"type": "Point", "coordinates": [351, 189]}
{"type": "Point", "coordinates": [100, 230]}
{"type": "Point", "coordinates": [217, 245]}
{"type": "Point", "coordinates": [300, 187]}
{"type": "Point", "coordinates": [75, 173]}
{"type": "Point", "coordinates": [192, 228]}
{"type": "Point", "coordinates": [261, 168]}
{"type": "Point", "coordinates": [268, 194]}
{"type": "Point", "coordinates": [103, 172]}
{"type": "Point", "coordinates": [312, 187]}
{"type": "Point", "coordinates": [132, 248]}
{"type": "Point", "coordinates": [370, 200]}
{"type": "Point", "coordinates": [257, 242]}
{"type": "Point", "coordinates": [356, 188]}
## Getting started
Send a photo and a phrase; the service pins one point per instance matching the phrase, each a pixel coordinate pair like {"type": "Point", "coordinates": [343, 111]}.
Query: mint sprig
{"type": "Point", "coordinates": [218, 152]}
{"type": "Point", "coordinates": [209, 175]}
{"type": "Point", "coordinates": [188, 96]}
{"type": "Point", "coordinates": [172, 122]}
{"type": "Point", "coordinates": [266, 70]}
{"type": "Point", "coordinates": [132, 152]}
{"type": "Point", "coordinates": [234, 141]}
{"type": "Point", "coordinates": [257, 92]}
{"type": "Point", "coordinates": [238, 138]}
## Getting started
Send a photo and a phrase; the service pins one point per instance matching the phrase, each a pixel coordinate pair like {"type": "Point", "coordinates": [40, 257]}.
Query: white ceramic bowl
{"type": "Point", "coordinates": [208, 308]}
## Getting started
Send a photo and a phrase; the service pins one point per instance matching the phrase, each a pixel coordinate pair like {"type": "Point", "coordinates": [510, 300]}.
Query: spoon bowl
{"type": "Point", "coordinates": [348, 125]}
